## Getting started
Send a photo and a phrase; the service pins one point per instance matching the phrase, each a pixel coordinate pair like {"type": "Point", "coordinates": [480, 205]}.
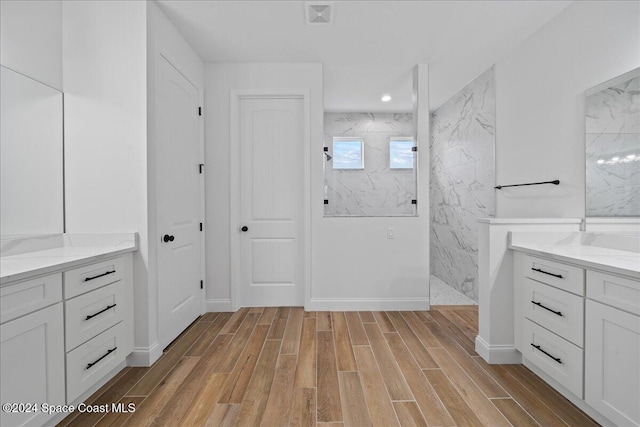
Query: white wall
{"type": "Point", "coordinates": [31, 39]}
{"type": "Point", "coordinates": [104, 61]}
{"type": "Point", "coordinates": [220, 79]}
{"type": "Point", "coordinates": [353, 265]}
{"type": "Point", "coordinates": [540, 104]}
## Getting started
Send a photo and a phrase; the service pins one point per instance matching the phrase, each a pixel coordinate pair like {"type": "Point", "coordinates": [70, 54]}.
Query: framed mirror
{"type": "Point", "coordinates": [31, 155]}
{"type": "Point", "coordinates": [612, 134]}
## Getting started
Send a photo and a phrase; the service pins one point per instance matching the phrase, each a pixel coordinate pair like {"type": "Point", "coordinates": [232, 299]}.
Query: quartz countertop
{"type": "Point", "coordinates": [612, 253]}
{"type": "Point", "coordinates": [530, 220]}
{"type": "Point", "coordinates": [59, 252]}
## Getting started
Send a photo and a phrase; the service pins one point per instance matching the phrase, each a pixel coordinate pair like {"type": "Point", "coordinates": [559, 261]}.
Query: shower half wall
{"type": "Point", "coordinates": [461, 181]}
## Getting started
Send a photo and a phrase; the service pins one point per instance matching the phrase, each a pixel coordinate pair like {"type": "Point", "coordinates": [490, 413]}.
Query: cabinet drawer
{"type": "Point", "coordinates": [92, 313]}
{"type": "Point", "coordinates": [615, 291]}
{"type": "Point", "coordinates": [89, 363]}
{"type": "Point", "coordinates": [556, 356]}
{"type": "Point", "coordinates": [556, 310]}
{"type": "Point", "coordinates": [553, 273]}
{"type": "Point", "coordinates": [25, 297]}
{"type": "Point", "coordinates": [90, 277]}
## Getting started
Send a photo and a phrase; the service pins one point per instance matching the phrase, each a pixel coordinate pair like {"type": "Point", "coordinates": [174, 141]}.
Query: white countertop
{"type": "Point", "coordinates": [612, 220]}
{"type": "Point", "coordinates": [67, 251]}
{"type": "Point", "coordinates": [618, 254]}
{"type": "Point", "coordinates": [530, 220]}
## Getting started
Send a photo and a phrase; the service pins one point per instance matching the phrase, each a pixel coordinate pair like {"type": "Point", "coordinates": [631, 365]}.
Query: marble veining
{"type": "Point", "coordinates": [15, 245]}
{"type": "Point", "coordinates": [375, 190]}
{"type": "Point", "coordinates": [461, 182]}
{"type": "Point", "coordinates": [613, 150]}
{"type": "Point", "coordinates": [72, 250]}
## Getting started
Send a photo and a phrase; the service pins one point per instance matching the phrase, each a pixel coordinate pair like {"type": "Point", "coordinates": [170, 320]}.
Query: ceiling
{"type": "Point", "coordinates": [372, 45]}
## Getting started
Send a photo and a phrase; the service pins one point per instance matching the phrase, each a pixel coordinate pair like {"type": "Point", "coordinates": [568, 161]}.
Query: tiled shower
{"type": "Point", "coordinates": [376, 188]}
{"type": "Point", "coordinates": [461, 182]}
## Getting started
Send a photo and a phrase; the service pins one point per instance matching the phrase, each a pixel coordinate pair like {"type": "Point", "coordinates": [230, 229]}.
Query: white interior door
{"type": "Point", "coordinates": [271, 229]}
{"type": "Point", "coordinates": [178, 192]}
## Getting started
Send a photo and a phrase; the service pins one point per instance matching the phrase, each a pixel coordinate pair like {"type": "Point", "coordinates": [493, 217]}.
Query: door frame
{"type": "Point", "coordinates": [153, 211]}
{"type": "Point", "coordinates": [234, 197]}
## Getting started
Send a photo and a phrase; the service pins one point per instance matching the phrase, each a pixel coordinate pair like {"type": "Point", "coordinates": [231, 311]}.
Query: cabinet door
{"type": "Point", "coordinates": [612, 363]}
{"type": "Point", "coordinates": [32, 364]}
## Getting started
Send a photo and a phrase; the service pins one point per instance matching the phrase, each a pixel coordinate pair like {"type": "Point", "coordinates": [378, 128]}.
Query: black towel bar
{"type": "Point", "coordinates": [554, 182]}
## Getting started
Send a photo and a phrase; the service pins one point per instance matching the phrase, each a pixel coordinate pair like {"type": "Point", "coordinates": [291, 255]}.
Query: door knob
{"type": "Point", "coordinates": [167, 238]}
{"type": "Point", "coordinates": [245, 228]}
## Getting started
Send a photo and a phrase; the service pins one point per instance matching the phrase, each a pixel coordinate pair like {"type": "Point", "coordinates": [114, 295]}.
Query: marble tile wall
{"type": "Point", "coordinates": [613, 150]}
{"type": "Point", "coordinates": [375, 190]}
{"type": "Point", "coordinates": [461, 182]}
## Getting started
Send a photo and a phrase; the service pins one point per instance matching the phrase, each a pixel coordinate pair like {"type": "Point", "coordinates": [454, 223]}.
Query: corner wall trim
{"type": "Point", "coordinates": [217, 305]}
{"type": "Point", "coordinates": [498, 354]}
{"type": "Point", "coordinates": [367, 304]}
{"type": "Point", "coordinates": [144, 356]}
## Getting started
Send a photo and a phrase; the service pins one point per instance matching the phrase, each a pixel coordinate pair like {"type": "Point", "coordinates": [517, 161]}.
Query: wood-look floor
{"type": "Point", "coordinates": [283, 366]}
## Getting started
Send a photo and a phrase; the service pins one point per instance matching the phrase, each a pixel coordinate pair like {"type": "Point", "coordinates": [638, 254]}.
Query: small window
{"type": "Point", "coordinates": [347, 153]}
{"type": "Point", "coordinates": [401, 152]}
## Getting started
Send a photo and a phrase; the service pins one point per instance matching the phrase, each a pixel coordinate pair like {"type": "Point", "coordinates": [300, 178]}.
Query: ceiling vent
{"type": "Point", "coordinates": [319, 13]}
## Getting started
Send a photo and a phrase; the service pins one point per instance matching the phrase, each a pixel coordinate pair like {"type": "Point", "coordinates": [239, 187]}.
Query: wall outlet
{"type": "Point", "coordinates": [389, 233]}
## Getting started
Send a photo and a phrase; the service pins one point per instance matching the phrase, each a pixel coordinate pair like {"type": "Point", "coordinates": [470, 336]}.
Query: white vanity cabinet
{"type": "Point", "coordinates": [579, 328]}
{"type": "Point", "coordinates": [549, 308]}
{"type": "Point", "coordinates": [32, 365]}
{"type": "Point", "coordinates": [63, 335]}
{"type": "Point", "coordinates": [97, 323]}
{"type": "Point", "coordinates": [612, 347]}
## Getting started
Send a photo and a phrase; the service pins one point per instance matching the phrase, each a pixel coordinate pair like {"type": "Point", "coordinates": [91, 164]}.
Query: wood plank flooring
{"type": "Point", "coordinates": [286, 367]}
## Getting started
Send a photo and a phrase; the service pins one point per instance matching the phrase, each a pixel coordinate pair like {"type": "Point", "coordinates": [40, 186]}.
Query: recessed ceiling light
{"type": "Point", "coordinates": [385, 98]}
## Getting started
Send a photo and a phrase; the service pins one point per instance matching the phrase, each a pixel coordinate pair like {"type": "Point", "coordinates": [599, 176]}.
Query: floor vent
{"type": "Point", "coordinates": [319, 13]}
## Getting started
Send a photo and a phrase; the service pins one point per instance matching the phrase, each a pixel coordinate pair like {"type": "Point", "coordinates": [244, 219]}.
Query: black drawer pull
{"type": "Point", "coordinates": [557, 359]}
{"type": "Point", "coordinates": [99, 275]}
{"type": "Point", "coordinates": [89, 365]}
{"type": "Point", "coordinates": [559, 276]}
{"type": "Point", "coordinates": [111, 306]}
{"type": "Point", "coordinates": [559, 313]}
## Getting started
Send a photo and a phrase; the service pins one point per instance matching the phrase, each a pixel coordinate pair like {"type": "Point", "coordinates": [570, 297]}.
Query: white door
{"type": "Point", "coordinates": [271, 226]}
{"type": "Point", "coordinates": [178, 192]}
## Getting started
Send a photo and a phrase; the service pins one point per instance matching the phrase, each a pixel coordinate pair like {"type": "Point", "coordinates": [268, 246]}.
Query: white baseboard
{"type": "Point", "coordinates": [217, 305]}
{"type": "Point", "coordinates": [367, 304]}
{"type": "Point", "coordinates": [144, 356]}
{"type": "Point", "coordinates": [498, 354]}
